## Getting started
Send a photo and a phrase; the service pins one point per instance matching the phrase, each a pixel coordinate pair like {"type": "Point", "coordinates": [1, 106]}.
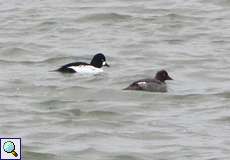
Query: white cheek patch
{"type": "Point", "coordinates": [104, 63]}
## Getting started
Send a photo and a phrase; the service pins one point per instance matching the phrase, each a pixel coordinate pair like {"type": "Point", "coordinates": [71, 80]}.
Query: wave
{"type": "Point", "coordinates": [36, 155]}
{"type": "Point", "coordinates": [101, 113]}
{"type": "Point", "coordinates": [105, 17]}
{"type": "Point", "coordinates": [49, 60]}
{"type": "Point", "coordinates": [14, 51]}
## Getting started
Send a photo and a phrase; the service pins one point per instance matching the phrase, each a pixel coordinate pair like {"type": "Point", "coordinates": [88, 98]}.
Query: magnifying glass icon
{"type": "Point", "coordinates": [9, 147]}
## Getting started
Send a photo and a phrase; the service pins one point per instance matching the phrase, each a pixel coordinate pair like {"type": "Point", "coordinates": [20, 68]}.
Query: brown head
{"type": "Point", "coordinates": [162, 76]}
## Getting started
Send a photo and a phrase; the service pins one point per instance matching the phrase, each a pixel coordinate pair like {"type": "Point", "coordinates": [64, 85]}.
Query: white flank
{"type": "Point", "coordinates": [86, 69]}
{"type": "Point", "coordinates": [142, 83]}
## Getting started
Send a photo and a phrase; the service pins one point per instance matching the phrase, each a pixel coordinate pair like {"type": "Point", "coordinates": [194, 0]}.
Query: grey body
{"type": "Point", "coordinates": [156, 84]}
{"type": "Point", "coordinates": [151, 85]}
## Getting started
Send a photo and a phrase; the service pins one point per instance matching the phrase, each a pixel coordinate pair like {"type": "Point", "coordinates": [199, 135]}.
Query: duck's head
{"type": "Point", "coordinates": [162, 76]}
{"type": "Point", "coordinates": [99, 61]}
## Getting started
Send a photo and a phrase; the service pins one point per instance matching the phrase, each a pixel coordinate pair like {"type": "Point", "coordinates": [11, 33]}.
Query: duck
{"type": "Point", "coordinates": [156, 84]}
{"type": "Point", "coordinates": [94, 67]}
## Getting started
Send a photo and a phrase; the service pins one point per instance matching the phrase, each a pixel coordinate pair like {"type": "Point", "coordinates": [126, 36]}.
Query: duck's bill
{"type": "Point", "coordinates": [169, 78]}
{"type": "Point", "coordinates": [105, 64]}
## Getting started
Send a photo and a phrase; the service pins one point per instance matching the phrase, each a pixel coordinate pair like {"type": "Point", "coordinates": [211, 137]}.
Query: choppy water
{"type": "Point", "coordinates": [89, 117]}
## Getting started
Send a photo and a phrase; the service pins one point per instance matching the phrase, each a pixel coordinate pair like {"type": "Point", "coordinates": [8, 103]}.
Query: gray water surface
{"type": "Point", "coordinates": [74, 117]}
